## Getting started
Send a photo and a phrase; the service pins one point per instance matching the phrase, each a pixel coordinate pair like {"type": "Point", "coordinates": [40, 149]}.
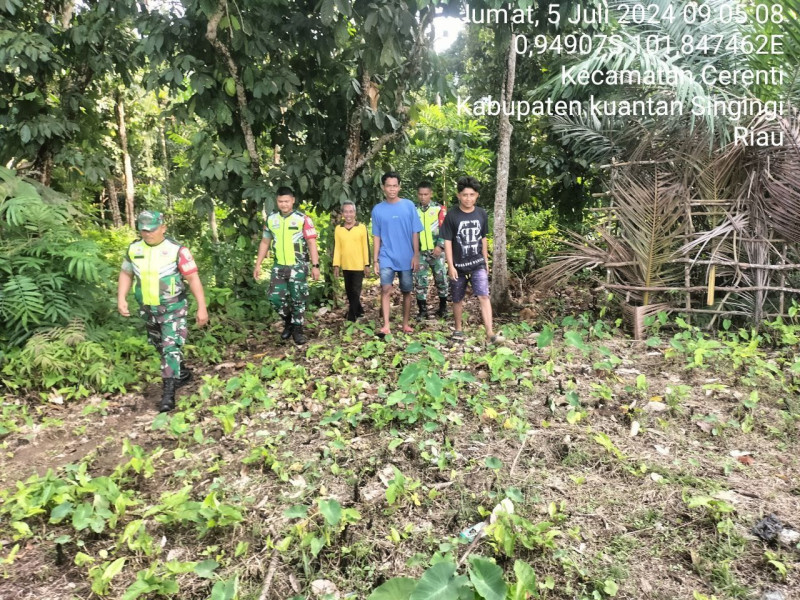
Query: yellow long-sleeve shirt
{"type": "Point", "coordinates": [351, 248]}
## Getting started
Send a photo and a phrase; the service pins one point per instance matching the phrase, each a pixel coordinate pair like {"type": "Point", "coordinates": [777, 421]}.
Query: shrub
{"type": "Point", "coordinates": [49, 273]}
{"type": "Point", "coordinates": [532, 238]}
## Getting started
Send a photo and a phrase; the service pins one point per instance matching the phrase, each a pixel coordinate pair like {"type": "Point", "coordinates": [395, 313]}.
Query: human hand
{"type": "Point", "coordinates": [335, 272]}
{"type": "Point", "coordinates": [366, 271]}
{"type": "Point", "coordinates": [315, 273]}
{"type": "Point", "coordinates": [202, 316]}
{"type": "Point", "coordinates": [415, 263]}
{"type": "Point", "coordinates": [122, 307]}
{"type": "Point", "coordinates": [437, 252]}
{"type": "Point", "coordinates": [451, 271]}
{"type": "Point", "coordinates": [257, 272]}
{"type": "Point", "coordinates": [376, 269]}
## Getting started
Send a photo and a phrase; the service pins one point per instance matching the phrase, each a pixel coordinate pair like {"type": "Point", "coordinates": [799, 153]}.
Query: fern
{"type": "Point", "coordinates": [50, 273]}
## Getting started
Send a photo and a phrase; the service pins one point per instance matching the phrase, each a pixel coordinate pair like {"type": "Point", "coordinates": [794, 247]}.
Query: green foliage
{"type": "Point", "coordinates": [532, 237]}
{"type": "Point", "coordinates": [484, 580]}
{"type": "Point", "coordinates": [423, 390]}
{"type": "Point", "coordinates": [50, 273]}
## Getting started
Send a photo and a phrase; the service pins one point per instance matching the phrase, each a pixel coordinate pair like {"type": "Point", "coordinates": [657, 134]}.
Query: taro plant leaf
{"type": "Point", "coordinates": [493, 462]}
{"type": "Point", "coordinates": [574, 339]}
{"type": "Point", "coordinates": [526, 582]}
{"type": "Point", "coordinates": [317, 544]}
{"type": "Point", "coordinates": [397, 588]}
{"type": "Point", "coordinates": [225, 590]}
{"type": "Point", "coordinates": [206, 568]}
{"type": "Point", "coordinates": [298, 511]}
{"type": "Point", "coordinates": [440, 582]}
{"type": "Point", "coordinates": [487, 578]}
{"type": "Point", "coordinates": [545, 337]}
{"type": "Point", "coordinates": [331, 510]}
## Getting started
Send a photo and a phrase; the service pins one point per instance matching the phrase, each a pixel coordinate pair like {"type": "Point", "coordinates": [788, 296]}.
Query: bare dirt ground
{"type": "Point", "coordinates": [655, 493]}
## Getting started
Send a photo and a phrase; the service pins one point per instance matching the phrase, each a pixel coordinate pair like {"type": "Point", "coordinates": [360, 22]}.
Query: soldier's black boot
{"type": "Point", "coordinates": [423, 309]}
{"type": "Point", "coordinates": [168, 397]}
{"type": "Point", "coordinates": [186, 377]}
{"type": "Point", "coordinates": [287, 328]}
{"type": "Point", "coordinates": [297, 335]}
{"type": "Point", "coordinates": [442, 312]}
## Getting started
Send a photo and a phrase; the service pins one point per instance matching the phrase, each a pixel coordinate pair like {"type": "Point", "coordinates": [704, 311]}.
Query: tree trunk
{"type": "Point", "coordinates": [126, 160]}
{"type": "Point", "coordinates": [162, 137]}
{"type": "Point", "coordinates": [113, 202]}
{"type": "Point", "coordinates": [241, 98]}
{"type": "Point", "coordinates": [501, 300]}
{"type": "Point", "coordinates": [212, 223]}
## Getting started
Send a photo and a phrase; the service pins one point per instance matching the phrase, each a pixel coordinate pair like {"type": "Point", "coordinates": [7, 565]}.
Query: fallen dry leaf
{"type": "Point", "coordinates": [746, 459]}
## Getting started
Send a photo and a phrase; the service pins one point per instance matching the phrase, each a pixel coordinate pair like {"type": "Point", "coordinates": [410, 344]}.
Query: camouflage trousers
{"type": "Point", "coordinates": [437, 265]}
{"type": "Point", "coordinates": [166, 330]}
{"type": "Point", "coordinates": [288, 291]}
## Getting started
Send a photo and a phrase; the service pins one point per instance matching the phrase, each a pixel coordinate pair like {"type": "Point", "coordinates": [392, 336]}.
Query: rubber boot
{"type": "Point", "coordinates": [186, 377]}
{"type": "Point", "coordinates": [297, 335]}
{"type": "Point", "coordinates": [423, 309]}
{"type": "Point", "coordinates": [442, 312]}
{"type": "Point", "coordinates": [287, 328]}
{"type": "Point", "coordinates": [168, 396]}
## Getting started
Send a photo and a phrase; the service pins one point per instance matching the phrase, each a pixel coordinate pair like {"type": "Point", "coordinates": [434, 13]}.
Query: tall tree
{"type": "Point", "coordinates": [501, 299]}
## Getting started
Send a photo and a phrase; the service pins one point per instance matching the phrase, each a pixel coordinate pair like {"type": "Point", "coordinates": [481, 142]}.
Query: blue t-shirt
{"type": "Point", "coordinates": [395, 224]}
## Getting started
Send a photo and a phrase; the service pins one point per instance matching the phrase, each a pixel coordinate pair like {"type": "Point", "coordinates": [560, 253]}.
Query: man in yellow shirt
{"type": "Point", "coordinates": [351, 253]}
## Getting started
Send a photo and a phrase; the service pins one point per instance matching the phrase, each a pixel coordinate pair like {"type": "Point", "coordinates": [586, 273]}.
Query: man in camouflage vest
{"type": "Point", "coordinates": [290, 236]}
{"type": "Point", "coordinates": [431, 252]}
{"type": "Point", "coordinates": [162, 269]}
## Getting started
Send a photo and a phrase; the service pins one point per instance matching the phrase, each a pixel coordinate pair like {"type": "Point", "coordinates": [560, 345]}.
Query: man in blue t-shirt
{"type": "Point", "coordinates": [395, 230]}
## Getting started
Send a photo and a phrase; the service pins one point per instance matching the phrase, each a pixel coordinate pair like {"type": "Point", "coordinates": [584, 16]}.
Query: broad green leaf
{"type": "Point", "coordinates": [298, 511]}
{"type": "Point", "coordinates": [440, 582]}
{"type": "Point", "coordinates": [398, 588]}
{"type": "Point", "coordinates": [331, 510]}
{"type": "Point", "coordinates": [60, 511]}
{"type": "Point", "coordinates": [573, 338]}
{"type": "Point", "coordinates": [545, 337]}
{"type": "Point", "coordinates": [414, 348]}
{"type": "Point", "coordinates": [114, 569]}
{"type": "Point", "coordinates": [224, 590]}
{"type": "Point", "coordinates": [206, 568]}
{"type": "Point", "coordinates": [610, 587]}
{"type": "Point", "coordinates": [493, 462]}
{"type": "Point", "coordinates": [526, 581]}
{"type": "Point", "coordinates": [487, 578]}
{"type": "Point", "coordinates": [317, 544]}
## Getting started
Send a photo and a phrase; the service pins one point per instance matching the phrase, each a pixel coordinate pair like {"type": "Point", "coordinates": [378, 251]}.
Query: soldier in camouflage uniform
{"type": "Point", "coordinates": [431, 253]}
{"type": "Point", "coordinates": [291, 237]}
{"type": "Point", "coordinates": [162, 268]}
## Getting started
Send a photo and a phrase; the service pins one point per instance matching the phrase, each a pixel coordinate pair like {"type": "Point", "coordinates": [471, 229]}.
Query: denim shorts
{"type": "Point", "coordinates": [479, 280]}
{"type": "Point", "coordinates": [406, 280]}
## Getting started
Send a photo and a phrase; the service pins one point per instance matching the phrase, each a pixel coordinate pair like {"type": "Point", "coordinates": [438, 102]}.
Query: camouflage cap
{"type": "Point", "coordinates": [148, 220]}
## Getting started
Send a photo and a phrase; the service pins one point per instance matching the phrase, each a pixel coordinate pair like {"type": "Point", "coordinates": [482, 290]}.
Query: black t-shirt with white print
{"type": "Point", "coordinates": [466, 231]}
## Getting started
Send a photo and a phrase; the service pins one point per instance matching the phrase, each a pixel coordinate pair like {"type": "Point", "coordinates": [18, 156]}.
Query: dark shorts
{"type": "Point", "coordinates": [406, 279]}
{"type": "Point", "coordinates": [479, 280]}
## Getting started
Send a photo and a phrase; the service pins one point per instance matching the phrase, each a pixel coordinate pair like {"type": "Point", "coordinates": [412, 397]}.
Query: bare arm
{"type": "Point", "coordinates": [448, 253]}
{"type": "Point", "coordinates": [376, 250]}
{"type": "Point", "coordinates": [124, 284]}
{"type": "Point", "coordinates": [312, 250]}
{"type": "Point", "coordinates": [486, 253]}
{"type": "Point", "coordinates": [415, 246]}
{"type": "Point", "coordinates": [263, 252]}
{"type": "Point", "coordinates": [196, 287]}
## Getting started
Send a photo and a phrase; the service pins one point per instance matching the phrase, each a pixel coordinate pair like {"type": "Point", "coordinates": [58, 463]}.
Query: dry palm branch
{"type": "Point", "coordinates": [649, 204]}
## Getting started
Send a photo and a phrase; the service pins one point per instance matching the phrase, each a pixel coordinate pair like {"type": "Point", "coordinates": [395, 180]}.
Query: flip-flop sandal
{"type": "Point", "coordinates": [408, 330]}
{"type": "Point", "coordinates": [381, 333]}
{"type": "Point", "coordinates": [458, 336]}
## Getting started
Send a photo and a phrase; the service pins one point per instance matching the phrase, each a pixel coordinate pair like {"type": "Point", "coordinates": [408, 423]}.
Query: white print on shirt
{"type": "Point", "coordinates": [469, 237]}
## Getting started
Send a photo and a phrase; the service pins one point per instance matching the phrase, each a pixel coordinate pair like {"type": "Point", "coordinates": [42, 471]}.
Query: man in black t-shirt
{"type": "Point", "coordinates": [465, 230]}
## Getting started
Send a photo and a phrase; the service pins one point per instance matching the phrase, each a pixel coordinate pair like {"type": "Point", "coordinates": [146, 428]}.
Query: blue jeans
{"type": "Point", "coordinates": [406, 279]}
